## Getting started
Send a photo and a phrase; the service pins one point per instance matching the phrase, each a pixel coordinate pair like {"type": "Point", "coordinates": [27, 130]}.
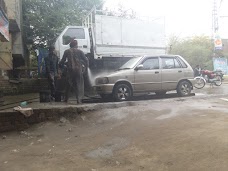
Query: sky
{"type": "Point", "coordinates": [184, 18]}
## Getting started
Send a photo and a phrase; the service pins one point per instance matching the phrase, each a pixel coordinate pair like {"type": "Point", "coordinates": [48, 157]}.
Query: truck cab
{"type": "Point", "coordinates": [80, 33]}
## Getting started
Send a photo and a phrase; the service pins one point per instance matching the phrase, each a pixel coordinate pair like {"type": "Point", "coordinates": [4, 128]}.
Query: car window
{"type": "Point", "coordinates": [131, 63]}
{"type": "Point", "coordinates": [73, 33]}
{"type": "Point", "coordinates": [176, 63]}
{"type": "Point", "coordinates": [167, 63]}
{"type": "Point", "coordinates": [150, 64]}
{"type": "Point", "coordinates": [183, 64]}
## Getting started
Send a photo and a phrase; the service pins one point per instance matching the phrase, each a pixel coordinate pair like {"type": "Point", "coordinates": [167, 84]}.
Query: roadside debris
{"type": "Point", "coordinates": [25, 111]}
{"type": "Point", "coordinates": [23, 104]}
{"type": "Point", "coordinates": [63, 120]}
{"type": "Point", "coordinates": [69, 130]}
{"type": "Point", "coordinates": [117, 163]}
{"type": "Point", "coordinates": [4, 137]}
{"type": "Point", "coordinates": [15, 150]}
{"type": "Point", "coordinates": [83, 118]}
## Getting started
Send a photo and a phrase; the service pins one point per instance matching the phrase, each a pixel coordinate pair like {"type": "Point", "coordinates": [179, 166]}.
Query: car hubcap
{"type": "Point", "coordinates": [185, 89]}
{"type": "Point", "coordinates": [123, 93]}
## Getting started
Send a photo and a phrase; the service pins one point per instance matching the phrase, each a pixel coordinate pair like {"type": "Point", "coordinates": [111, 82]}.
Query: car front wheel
{"type": "Point", "coordinates": [184, 88]}
{"type": "Point", "coordinates": [122, 92]}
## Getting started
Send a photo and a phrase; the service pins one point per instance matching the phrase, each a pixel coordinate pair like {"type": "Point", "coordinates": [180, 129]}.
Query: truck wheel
{"type": "Point", "coordinates": [184, 88]}
{"type": "Point", "coordinates": [122, 92]}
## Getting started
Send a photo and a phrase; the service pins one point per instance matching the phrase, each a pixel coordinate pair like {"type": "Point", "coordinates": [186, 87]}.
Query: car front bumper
{"type": "Point", "coordinates": [104, 88]}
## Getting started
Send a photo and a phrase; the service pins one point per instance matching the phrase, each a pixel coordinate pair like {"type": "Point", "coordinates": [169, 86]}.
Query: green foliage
{"type": "Point", "coordinates": [45, 19]}
{"type": "Point", "coordinates": [196, 50]}
{"type": "Point", "coordinates": [33, 59]}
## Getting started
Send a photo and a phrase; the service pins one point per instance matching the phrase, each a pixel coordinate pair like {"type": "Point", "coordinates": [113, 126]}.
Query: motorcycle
{"type": "Point", "coordinates": [220, 73]}
{"type": "Point", "coordinates": [206, 76]}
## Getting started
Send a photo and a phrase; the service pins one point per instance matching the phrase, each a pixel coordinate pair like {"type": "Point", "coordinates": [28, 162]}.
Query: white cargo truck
{"type": "Point", "coordinates": [108, 41]}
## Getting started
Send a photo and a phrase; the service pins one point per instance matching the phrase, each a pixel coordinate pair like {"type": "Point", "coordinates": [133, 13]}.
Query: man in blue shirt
{"type": "Point", "coordinates": [51, 63]}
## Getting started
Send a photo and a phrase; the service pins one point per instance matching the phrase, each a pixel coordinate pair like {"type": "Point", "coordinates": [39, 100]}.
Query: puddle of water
{"type": "Point", "coordinates": [199, 94]}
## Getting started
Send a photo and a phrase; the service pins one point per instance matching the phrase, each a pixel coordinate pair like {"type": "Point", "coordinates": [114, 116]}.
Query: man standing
{"type": "Point", "coordinates": [75, 60]}
{"type": "Point", "coordinates": [197, 71]}
{"type": "Point", "coordinates": [51, 63]}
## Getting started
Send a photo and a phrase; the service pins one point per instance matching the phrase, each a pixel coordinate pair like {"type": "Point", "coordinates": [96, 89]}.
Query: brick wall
{"type": "Point", "coordinates": [24, 86]}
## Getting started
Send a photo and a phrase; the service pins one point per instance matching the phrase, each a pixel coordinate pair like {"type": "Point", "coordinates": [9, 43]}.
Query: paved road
{"type": "Point", "coordinates": [207, 90]}
{"type": "Point", "coordinates": [169, 134]}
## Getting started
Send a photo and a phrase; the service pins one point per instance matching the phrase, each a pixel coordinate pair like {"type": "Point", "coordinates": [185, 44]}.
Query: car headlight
{"type": "Point", "coordinates": [103, 80]}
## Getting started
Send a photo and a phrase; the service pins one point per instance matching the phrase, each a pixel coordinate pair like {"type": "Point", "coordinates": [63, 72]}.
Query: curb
{"type": "Point", "coordinates": [12, 120]}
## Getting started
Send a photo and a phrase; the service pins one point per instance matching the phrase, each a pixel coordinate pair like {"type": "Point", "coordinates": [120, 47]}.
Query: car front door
{"type": "Point", "coordinates": [148, 78]}
{"type": "Point", "coordinates": [172, 72]}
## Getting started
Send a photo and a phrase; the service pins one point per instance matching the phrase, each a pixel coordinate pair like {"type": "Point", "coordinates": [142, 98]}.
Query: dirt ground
{"type": "Point", "coordinates": [171, 134]}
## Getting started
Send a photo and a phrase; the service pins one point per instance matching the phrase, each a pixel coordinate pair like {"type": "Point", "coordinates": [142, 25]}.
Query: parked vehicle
{"type": "Point", "coordinates": [214, 78]}
{"type": "Point", "coordinates": [220, 73]}
{"type": "Point", "coordinates": [109, 41]}
{"type": "Point", "coordinates": [147, 74]}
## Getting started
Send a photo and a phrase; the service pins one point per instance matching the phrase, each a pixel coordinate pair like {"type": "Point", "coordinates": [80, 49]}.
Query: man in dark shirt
{"type": "Point", "coordinates": [51, 63]}
{"type": "Point", "coordinates": [75, 60]}
{"type": "Point", "coordinates": [197, 71]}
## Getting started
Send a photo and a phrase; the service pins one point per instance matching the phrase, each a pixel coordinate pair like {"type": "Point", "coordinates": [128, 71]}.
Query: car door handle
{"type": "Point", "coordinates": [156, 72]}
{"type": "Point", "coordinates": [179, 71]}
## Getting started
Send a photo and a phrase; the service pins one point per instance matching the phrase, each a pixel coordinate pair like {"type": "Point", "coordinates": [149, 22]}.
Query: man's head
{"type": "Point", "coordinates": [74, 44]}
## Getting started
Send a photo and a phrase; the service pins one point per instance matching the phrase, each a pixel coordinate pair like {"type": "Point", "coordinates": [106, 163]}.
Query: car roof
{"type": "Point", "coordinates": [167, 56]}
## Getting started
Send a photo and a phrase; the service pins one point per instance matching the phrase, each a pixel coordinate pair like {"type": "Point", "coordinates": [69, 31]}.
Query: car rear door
{"type": "Point", "coordinates": [171, 73]}
{"type": "Point", "coordinates": [148, 78]}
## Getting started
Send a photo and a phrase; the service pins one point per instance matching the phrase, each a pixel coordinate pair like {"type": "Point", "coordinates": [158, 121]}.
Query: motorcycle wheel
{"type": "Point", "coordinates": [200, 83]}
{"type": "Point", "coordinates": [218, 80]}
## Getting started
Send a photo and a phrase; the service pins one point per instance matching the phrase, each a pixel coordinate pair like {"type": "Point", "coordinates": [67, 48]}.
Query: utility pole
{"type": "Point", "coordinates": [215, 25]}
{"type": "Point", "coordinates": [215, 28]}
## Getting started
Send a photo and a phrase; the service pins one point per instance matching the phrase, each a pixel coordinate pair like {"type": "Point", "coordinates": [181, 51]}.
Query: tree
{"type": "Point", "coordinates": [45, 19]}
{"type": "Point", "coordinates": [196, 50]}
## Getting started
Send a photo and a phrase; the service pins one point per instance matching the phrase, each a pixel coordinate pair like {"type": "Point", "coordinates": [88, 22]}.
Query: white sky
{"type": "Point", "coordinates": [183, 17]}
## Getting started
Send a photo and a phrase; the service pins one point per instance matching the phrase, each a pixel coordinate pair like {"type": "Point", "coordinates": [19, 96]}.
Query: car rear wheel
{"type": "Point", "coordinates": [122, 92]}
{"type": "Point", "coordinates": [184, 88]}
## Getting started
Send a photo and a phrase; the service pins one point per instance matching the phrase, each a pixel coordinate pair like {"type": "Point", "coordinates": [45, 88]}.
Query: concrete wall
{"type": "Point", "coordinates": [14, 11]}
{"type": "Point", "coordinates": [12, 53]}
{"type": "Point", "coordinates": [14, 8]}
{"type": "Point", "coordinates": [25, 86]}
{"type": "Point", "coordinates": [6, 55]}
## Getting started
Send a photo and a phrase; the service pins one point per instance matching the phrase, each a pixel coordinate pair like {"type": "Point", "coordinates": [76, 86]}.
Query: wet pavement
{"type": "Point", "coordinates": [33, 98]}
{"type": "Point", "coordinates": [167, 134]}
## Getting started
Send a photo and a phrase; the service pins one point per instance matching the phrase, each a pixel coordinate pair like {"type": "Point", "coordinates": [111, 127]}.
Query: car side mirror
{"type": "Point", "coordinates": [139, 67]}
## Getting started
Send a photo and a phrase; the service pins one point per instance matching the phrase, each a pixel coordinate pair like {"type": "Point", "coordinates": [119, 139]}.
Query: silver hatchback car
{"type": "Point", "coordinates": [146, 74]}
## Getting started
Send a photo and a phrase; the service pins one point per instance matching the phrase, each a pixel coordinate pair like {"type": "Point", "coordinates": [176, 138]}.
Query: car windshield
{"type": "Point", "coordinates": [130, 64]}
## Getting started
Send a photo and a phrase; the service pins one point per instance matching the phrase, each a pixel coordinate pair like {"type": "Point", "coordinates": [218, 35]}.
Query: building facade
{"type": "Point", "coordinates": [5, 46]}
{"type": "Point", "coordinates": [12, 51]}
